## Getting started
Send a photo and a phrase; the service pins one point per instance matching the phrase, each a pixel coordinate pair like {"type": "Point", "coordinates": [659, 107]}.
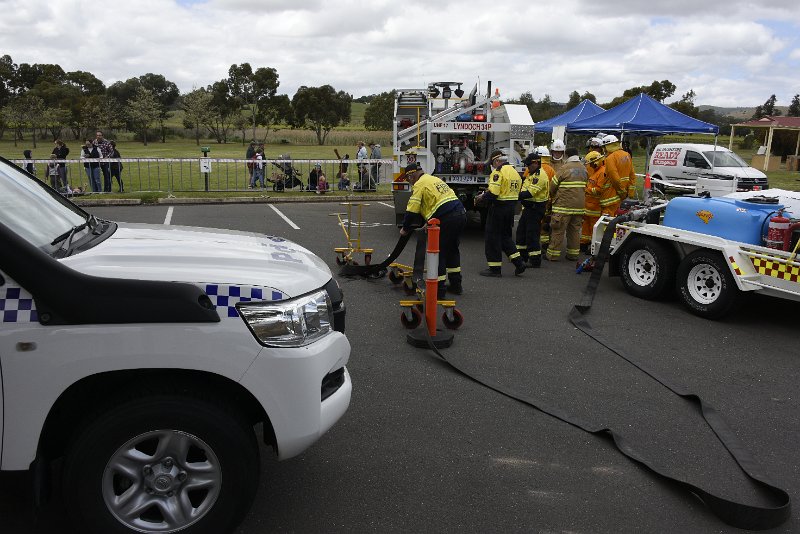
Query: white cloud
{"type": "Point", "coordinates": [726, 51]}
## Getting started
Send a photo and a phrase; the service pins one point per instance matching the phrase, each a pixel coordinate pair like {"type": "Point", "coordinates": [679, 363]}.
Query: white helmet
{"type": "Point", "coordinates": [542, 151]}
{"type": "Point", "coordinates": [558, 146]}
{"type": "Point", "coordinates": [607, 140]}
{"type": "Point", "coordinates": [594, 141]}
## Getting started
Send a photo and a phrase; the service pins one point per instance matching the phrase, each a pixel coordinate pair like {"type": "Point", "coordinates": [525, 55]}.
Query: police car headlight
{"type": "Point", "coordinates": [289, 323]}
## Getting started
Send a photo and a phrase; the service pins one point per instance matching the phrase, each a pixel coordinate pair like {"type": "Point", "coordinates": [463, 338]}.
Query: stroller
{"type": "Point", "coordinates": [287, 178]}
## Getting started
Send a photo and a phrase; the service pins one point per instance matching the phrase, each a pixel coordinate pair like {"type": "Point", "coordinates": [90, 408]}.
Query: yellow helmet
{"type": "Point", "coordinates": [594, 157]}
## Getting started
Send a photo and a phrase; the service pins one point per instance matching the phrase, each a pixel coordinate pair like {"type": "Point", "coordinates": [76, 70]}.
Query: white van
{"type": "Point", "coordinates": [682, 163]}
{"type": "Point", "coordinates": [140, 362]}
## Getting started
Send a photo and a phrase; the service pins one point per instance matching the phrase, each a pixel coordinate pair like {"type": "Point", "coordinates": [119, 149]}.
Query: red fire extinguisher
{"type": "Point", "coordinates": [778, 226]}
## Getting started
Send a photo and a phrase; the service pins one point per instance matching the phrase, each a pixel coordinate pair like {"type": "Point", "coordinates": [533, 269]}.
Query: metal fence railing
{"type": "Point", "coordinates": [214, 174]}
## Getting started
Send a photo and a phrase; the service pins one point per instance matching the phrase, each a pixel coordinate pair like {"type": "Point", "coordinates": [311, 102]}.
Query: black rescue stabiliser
{"type": "Point", "coordinates": [734, 513]}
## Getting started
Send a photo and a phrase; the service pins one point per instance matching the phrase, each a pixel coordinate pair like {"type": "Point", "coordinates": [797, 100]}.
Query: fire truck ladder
{"type": "Point", "coordinates": [444, 115]}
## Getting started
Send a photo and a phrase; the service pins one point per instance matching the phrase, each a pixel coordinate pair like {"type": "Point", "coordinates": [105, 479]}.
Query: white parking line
{"type": "Point", "coordinates": [387, 205]}
{"type": "Point", "coordinates": [168, 218]}
{"type": "Point", "coordinates": [284, 217]}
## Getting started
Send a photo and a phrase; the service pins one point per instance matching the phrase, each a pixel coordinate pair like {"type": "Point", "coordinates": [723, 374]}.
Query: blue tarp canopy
{"type": "Point", "coordinates": [584, 110]}
{"type": "Point", "coordinates": [641, 115]}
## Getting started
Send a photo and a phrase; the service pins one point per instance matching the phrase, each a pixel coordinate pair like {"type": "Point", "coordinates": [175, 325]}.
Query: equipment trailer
{"type": "Point", "coordinates": [711, 250]}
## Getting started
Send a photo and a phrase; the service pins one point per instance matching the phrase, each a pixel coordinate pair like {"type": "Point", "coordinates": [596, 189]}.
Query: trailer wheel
{"type": "Point", "coordinates": [647, 267]}
{"type": "Point", "coordinates": [706, 285]}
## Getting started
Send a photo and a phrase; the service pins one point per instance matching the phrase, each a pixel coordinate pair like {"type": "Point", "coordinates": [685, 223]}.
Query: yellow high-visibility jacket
{"type": "Point", "coordinates": [428, 194]}
{"type": "Point", "coordinates": [505, 183]}
{"type": "Point", "coordinates": [567, 189]}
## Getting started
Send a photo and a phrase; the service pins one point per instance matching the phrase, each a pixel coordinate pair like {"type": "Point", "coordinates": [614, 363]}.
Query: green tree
{"type": "Point", "coordinates": [767, 109]}
{"type": "Point", "coordinates": [380, 111]}
{"type": "Point", "coordinates": [794, 107]}
{"type": "Point", "coordinates": [588, 96]}
{"type": "Point", "coordinates": [686, 104]}
{"type": "Point", "coordinates": [253, 90]}
{"type": "Point", "coordinates": [197, 111]}
{"type": "Point", "coordinates": [224, 109]}
{"type": "Point", "coordinates": [320, 109]}
{"type": "Point", "coordinates": [143, 110]}
{"type": "Point", "coordinates": [574, 99]}
{"type": "Point", "coordinates": [24, 111]}
{"type": "Point", "coordinates": [99, 112]}
{"type": "Point", "coordinates": [279, 110]}
{"type": "Point", "coordinates": [658, 90]}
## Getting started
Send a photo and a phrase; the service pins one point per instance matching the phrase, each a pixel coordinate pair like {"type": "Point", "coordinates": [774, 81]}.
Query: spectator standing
{"type": "Point", "coordinates": [52, 173]}
{"type": "Point", "coordinates": [116, 166]}
{"type": "Point", "coordinates": [375, 153]}
{"type": "Point", "coordinates": [61, 151]}
{"type": "Point", "coordinates": [29, 164]}
{"type": "Point", "coordinates": [361, 156]}
{"type": "Point", "coordinates": [90, 154]}
{"type": "Point", "coordinates": [258, 169]}
{"type": "Point", "coordinates": [104, 147]}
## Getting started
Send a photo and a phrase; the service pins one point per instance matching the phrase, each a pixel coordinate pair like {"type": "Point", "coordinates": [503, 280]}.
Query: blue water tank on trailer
{"type": "Point", "coordinates": [729, 218]}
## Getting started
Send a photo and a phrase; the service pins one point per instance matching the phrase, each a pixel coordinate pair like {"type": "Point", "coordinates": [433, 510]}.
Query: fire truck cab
{"type": "Point", "coordinates": [452, 135]}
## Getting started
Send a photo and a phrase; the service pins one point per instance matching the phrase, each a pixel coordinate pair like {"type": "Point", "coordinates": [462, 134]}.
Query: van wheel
{"type": "Point", "coordinates": [162, 464]}
{"type": "Point", "coordinates": [706, 285]}
{"type": "Point", "coordinates": [647, 267]}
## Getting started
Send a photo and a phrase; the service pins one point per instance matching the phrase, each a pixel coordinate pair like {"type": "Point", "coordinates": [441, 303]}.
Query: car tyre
{"type": "Point", "coordinates": [162, 464]}
{"type": "Point", "coordinates": [647, 268]}
{"type": "Point", "coordinates": [706, 285]}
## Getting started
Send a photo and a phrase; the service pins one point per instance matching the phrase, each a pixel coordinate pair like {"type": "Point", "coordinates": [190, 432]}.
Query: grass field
{"type": "Point", "coordinates": [184, 178]}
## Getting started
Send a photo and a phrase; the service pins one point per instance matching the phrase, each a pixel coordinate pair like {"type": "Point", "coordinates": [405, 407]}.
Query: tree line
{"type": "Point", "coordinates": [45, 100]}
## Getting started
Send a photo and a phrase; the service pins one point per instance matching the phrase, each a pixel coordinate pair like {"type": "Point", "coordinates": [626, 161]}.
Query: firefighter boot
{"type": "Point", "coordinates": [536, 261]}
{"type": "Point", "coordinates": [492, 272]}
{"type": "Point", "coordinates": [441, 288]}
{"type": "Point", "coordinates": [519, 266]}
{"type": "Point", "coordinates": [455, 286]}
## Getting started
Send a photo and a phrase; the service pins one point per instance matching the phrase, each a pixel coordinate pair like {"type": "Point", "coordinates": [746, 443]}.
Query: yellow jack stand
{"type": "Point", "coordinates": [345, 254]}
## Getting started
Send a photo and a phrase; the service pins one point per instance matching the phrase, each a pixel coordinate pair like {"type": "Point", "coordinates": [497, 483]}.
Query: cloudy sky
{"type": "Point", "coordinates": [730, 52]}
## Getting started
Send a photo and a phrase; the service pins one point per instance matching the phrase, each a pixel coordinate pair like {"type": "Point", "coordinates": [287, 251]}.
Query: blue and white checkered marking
{"type": "Point", "coordinates": [17, 306]}
{"type": "Point", "coordinates": [225, 297]}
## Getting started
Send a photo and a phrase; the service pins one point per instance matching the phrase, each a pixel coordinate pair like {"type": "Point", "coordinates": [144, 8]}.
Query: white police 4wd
{"type": "Point", "coordinates": [143, 357]}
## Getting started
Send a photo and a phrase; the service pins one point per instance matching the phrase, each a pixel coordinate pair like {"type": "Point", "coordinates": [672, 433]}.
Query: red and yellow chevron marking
{"type": "Point", "coordinates": [735, 267]}
{"type": "Point", "coordinates": [777, 269]}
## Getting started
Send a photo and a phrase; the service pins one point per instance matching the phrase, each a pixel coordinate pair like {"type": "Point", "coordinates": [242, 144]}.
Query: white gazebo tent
{"type": "Point", "coordinates": [773, 123]}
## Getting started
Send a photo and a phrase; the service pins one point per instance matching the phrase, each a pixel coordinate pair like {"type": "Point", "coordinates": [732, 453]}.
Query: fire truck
{"type": "Point", "coordinates": [452, 136]}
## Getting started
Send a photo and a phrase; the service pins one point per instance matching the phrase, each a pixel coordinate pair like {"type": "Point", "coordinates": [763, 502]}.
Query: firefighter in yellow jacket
{"type": "Point", "coordinates": [534, 196]}
{"type": "Point", "coordinates": [595, 187]}
{"type": "Point", "coordinates": [619, 168]}
{"type": "Point", "coordinates": [431, 198]}
{"type": "Point", "coordinates": [544, 153]}
{"type": "Point", "coordinates": [501, 197]}
{"type": "Point", "coordinates": [567, 192]}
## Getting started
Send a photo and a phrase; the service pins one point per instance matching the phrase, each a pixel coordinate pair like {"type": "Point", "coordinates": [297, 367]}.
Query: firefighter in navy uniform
{"type": "Point", "coordinates": [504, 187]}
{"type": "Point", "coordinates": [534, 196]}
{"type": "Point", "coordinates": [431, 198]}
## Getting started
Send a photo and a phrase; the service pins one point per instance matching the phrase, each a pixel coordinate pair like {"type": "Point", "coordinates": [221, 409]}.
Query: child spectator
{"type": "Point", "coordinates": [52, 172]}
{"type": "Point", "coordinates": [29, 165]}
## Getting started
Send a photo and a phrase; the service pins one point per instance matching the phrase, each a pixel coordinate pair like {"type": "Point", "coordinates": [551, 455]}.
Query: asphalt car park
{"type": "Point", "coordinates": [423, 448]}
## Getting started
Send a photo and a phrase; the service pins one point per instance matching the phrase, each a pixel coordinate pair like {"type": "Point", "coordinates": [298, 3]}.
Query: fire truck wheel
{"type": "Point", "coordinates": [647, 267]}
{"type": "Point", "coordinates": [706, 285]}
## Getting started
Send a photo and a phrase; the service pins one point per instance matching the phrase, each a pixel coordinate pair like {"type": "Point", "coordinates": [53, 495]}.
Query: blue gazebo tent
{"type": "Point", "coordinates": [584, 110]}
{"type": "Point", "coordinates": [641, 115]}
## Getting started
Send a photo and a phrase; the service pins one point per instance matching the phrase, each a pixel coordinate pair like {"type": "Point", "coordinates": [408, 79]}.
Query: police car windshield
{"type": "Point", "coordinates": [32, 210]}
{"type": "Point", "coordinates": [724, 159]}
